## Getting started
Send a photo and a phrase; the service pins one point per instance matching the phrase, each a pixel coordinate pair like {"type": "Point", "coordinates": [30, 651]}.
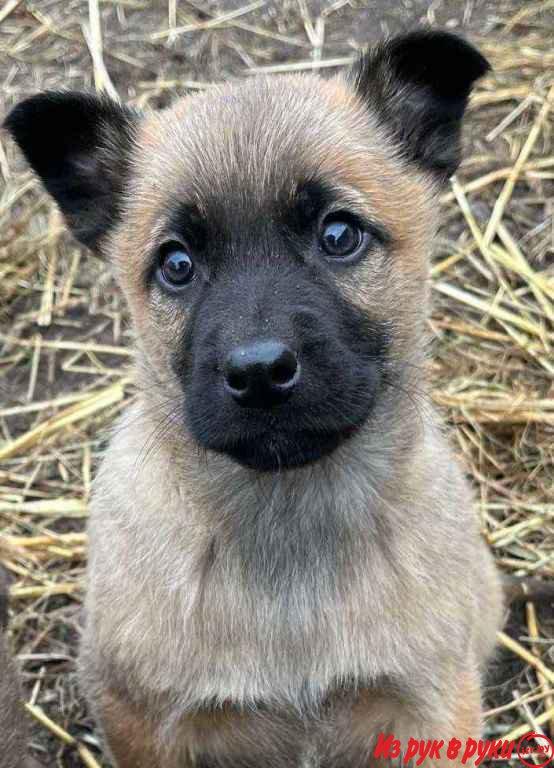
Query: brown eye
{"type": "Point", "coordinates": [340, 236]}
{"type": "Point", "coordinates": [176, 268]}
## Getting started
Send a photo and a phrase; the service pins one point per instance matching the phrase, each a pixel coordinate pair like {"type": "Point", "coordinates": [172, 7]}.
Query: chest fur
{"type": "Point", "coordinates": [249, 593]}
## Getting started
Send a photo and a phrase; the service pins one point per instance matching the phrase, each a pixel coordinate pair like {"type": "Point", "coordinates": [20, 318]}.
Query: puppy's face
{"type": "Point", "coordinates": [266, 240]}
{"type": "Point", "coordinates": [271, 237]}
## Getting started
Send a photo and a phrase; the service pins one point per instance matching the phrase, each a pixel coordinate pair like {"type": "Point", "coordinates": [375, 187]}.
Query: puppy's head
{"type": "Point", "coordinates": [271, 237]}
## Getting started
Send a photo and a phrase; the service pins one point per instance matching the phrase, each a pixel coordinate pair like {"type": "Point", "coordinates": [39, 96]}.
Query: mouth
{"type": "Point", "coordinates": [290, 435]}
{"type": "Point", "coordinates": [274, 452]}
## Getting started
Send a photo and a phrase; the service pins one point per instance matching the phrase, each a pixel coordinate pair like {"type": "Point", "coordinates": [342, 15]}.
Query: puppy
{"type": "Point", "coordinates": [13, 730]}
{"type": "Point", "coordinates": [284, 560]}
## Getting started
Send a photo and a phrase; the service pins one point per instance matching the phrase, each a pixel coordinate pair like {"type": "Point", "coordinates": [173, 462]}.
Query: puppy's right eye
{"type": "Point", "coordinates": [341, 236]}
{"type": "Point", "coordinates": [175, 269]}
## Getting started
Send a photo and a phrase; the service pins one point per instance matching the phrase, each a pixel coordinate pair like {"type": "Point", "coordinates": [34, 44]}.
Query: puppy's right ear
{"type": "Point", "coordinates": [417, 85]}
{"type": "Point", "coordinates": [80, 145]}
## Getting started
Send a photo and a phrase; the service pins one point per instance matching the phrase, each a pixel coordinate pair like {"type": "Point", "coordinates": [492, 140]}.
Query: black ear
{"type": "Point", "coordinates": [418, 86]}
{"type": "Point", "coordinates": [80, 146]}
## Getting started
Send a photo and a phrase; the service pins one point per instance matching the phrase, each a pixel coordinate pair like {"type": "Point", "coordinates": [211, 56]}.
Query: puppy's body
{"type": "Point", "coordinates": [13, 728]}
{"type": "Point", "coordinates": [248, 611]}
{"type": "Point", "coordinates": [314, 575]}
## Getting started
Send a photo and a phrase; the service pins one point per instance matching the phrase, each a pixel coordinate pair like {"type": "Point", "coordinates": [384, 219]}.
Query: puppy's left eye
{"type": "Point", "coordinates": [175, 267]}
{"type": "Point", "coordinates": [340, 236]}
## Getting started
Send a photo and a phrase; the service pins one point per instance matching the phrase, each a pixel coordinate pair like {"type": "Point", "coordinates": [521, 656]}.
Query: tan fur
{"type": "Point", "coordinates": [13, 732]}
{"type": "Point", "coordinates": [461, 719]}
{"type": "Point", "coordinates": [130, 736]}
{"type": "Point", "coordinates": [186, 654]}
{"type": "Point", "coordinates": [13, 727]}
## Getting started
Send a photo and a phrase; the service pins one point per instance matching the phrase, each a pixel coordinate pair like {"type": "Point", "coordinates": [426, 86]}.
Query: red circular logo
{"type": "Point", "coordinates": [535, 750]}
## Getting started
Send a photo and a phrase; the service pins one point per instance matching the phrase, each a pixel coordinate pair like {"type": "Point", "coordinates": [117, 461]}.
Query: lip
{"type": "Point", "coordinates": [275, 453]}
{"type": "Point", "coordinates": [293, 434]}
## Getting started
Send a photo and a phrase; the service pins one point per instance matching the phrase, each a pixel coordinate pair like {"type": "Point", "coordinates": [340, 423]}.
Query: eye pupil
{"type": "Point", "coordinates": [176, 265]}
{"type": "Point", "coordinates": [340, 238]}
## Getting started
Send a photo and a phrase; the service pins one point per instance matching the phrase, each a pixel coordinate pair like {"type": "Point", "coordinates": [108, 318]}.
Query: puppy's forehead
{"type": "Point", "coordinates": [255, 141]}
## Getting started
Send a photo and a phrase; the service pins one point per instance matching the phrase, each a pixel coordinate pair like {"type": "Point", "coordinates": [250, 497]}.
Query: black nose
{"type": "Point", "coordinates": [261, 374]}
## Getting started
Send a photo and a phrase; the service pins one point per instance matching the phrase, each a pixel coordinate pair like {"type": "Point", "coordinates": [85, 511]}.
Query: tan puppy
{"type": "Point", "coordinates": [284, 560]}
{"type": "Point", "coordinates": [13, 728]}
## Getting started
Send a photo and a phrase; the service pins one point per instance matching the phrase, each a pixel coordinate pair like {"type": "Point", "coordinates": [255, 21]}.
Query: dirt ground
{"type": "Point", "coordinates": [64, 356]}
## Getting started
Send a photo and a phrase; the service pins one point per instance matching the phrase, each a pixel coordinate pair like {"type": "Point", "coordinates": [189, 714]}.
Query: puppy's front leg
{"type": "Point", "coordinates": [222, 738]}
{"type": "Point", "coordinates": [356, 723]}
{"type": "Point", "coordinates": [459, 720]}
{"type": "Point", "coordinates": [130, 736]}
{"type": "Point", "coordinates": [467, 719]}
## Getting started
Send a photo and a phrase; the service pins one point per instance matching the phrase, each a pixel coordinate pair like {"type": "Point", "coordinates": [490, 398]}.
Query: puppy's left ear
{"type": "Point", "coordinates": [80, 146]}
{"type": "Point", "coordinates": [418, 85]}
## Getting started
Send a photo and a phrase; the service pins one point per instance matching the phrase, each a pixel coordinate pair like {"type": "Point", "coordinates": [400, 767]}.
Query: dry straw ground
{"type": "Point", "coordinates": [64, 354]}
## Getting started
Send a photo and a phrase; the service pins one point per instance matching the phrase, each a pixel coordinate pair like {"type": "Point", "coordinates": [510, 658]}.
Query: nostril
{"type": "Point", "coordinates": [261, 374]}
{"type": "Point", "coordinates": [283, 371]}
{"type": "Point", "coordinates": [237, 380]}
